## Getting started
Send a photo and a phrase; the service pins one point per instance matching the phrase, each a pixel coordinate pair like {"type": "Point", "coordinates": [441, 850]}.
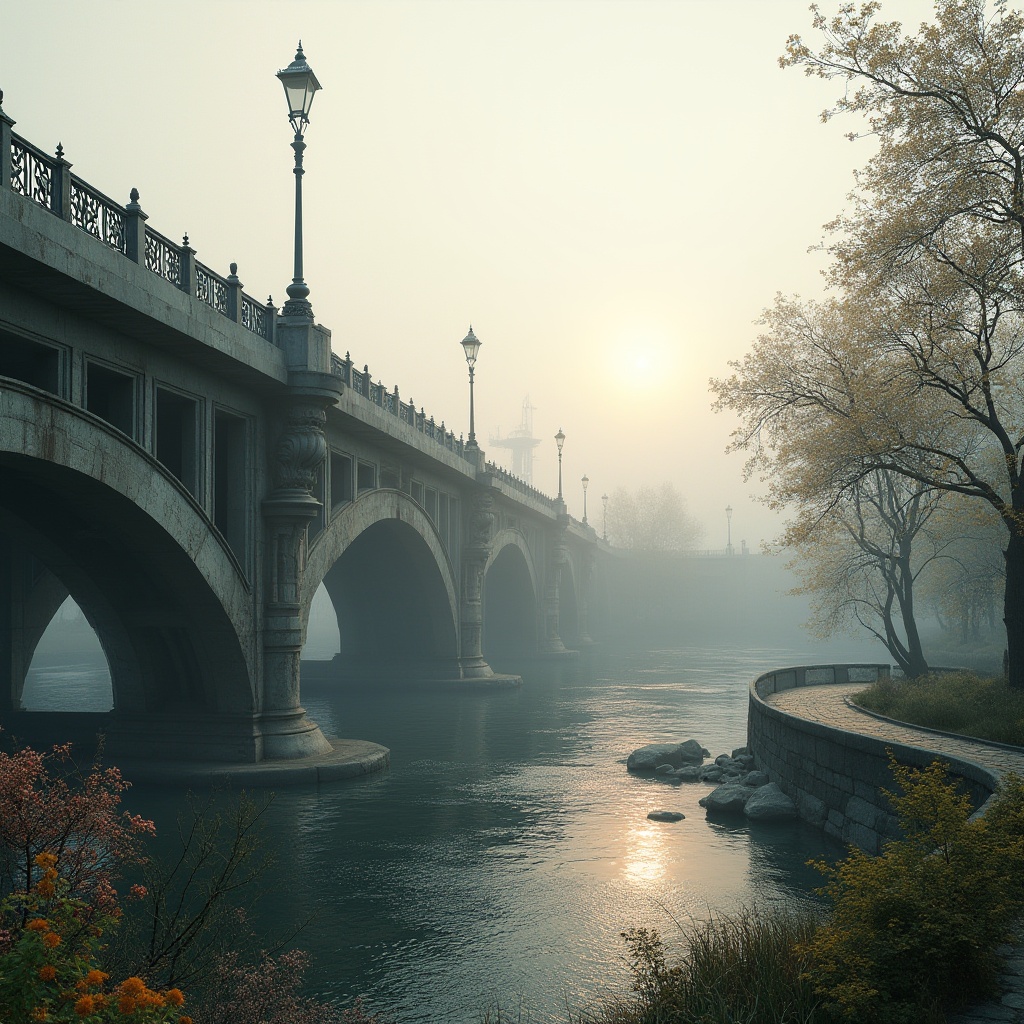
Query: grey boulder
{"type": "Point", "coordinates": [650, 758]}
{"type": "Point", "coordinates": [769, 803]}
{"type": "Point", "coordinates": [730, 798]}
{"type": "Point", "coordinates": [666, 816]}
{"type": "Point", "coordinates": [756, 779]}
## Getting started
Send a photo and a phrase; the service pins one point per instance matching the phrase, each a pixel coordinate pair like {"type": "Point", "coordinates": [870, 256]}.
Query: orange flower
{"type": "Point", "coordinates": [127, 1004]}
{"type": "Point", "coordinates": [39, 1013]}
{"type": "Point", "coordinates": [174, 996]}
{"type": "Point", "coordinates": [84, 1006]}
{"type": "Point", "coordinates": [94, 978]}
{"type": "Point", "coordinates": [47, 972]}
{"type": "Point", "coordinates": [38, 924]}
{"type": "Point", "coordinates": [51, 940]}
{"type": "Point", "coordinates": [184, 1020]}
{"type": "Point", "coordinates": [45, 860]}
{"type": "Point", "coordinates": [133, 986]}
{"type": "Point", "coordinates": [45, 887]}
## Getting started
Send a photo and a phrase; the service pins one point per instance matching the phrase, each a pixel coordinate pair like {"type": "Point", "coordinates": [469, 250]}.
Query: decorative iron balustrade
{"type": "Point", "coordinates": [163, 257]}
{"type": "Point", "coordinates": [517, 484]}
{"type": "Point", "coordinates": [361, 383]}
{"type": "Point", "coordinates": [47, 181]}
{"type": "Point", "coordinates": [31, 172]}
{"type": "Point", "coordinates": [254, 316]}
{"type": "Point", "coordinates": [94, 212]}
{"type": "Point", "coordinates": [211, 288]}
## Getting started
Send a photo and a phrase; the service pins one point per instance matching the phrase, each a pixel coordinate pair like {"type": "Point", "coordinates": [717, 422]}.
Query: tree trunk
{"type": "Point", "coordinates": [1013, 610]}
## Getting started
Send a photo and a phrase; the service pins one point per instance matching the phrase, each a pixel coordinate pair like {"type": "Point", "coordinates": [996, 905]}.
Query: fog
{"type": "Point", "coordinates": [609, 192]}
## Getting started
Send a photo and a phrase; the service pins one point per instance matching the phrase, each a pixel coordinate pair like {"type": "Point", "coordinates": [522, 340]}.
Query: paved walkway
{"type": "Point", "coordinates": [827, 704]}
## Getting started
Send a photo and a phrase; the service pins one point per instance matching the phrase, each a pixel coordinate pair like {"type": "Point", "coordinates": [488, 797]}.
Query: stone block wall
{"type": "Point", "coordinates": [836, 778]}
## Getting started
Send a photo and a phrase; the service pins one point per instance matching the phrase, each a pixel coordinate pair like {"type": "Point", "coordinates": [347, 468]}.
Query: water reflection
{"type": "Point", "coordinates": [647, 859]}
{"type": "Point", "coordinates": [506, 848]}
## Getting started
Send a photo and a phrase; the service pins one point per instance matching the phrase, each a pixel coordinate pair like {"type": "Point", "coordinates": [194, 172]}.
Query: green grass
{"type": "Point", "coordinates": [751, 968]}
{"type": "Point", "coordinates": [959, 702]}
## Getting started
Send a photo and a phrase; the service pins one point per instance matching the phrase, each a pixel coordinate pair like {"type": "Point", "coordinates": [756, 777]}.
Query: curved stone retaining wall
{"type": "Point", "coordinates": [836, 777]}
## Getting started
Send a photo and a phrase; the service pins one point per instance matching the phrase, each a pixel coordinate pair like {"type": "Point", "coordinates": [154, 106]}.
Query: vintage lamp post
{"type": "Point", "coordinates": [604, 527]}
{"type": "Point", "coordinates": [559, 440]}
{"type": "Point", "coordinates": [728, 522]}
{"type": "Point", "coordinates": [471, 346]}
{"type": "Point", "coordinates": [299, 86]}
{"type": "Point", "coordinates": [585, 481]}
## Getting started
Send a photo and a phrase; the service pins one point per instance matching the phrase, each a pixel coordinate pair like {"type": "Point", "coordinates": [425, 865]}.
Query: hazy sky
{"type": "Point", "coordinates": [610, 192]}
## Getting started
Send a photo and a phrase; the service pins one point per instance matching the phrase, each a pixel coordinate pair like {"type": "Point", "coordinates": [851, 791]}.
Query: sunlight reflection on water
{"type": "Point", "coordinates": [506, 848]}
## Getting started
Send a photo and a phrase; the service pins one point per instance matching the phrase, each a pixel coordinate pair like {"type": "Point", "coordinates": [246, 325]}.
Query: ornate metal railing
{"type": "Point", "coordinates": [48, 181]}
{"type": "Point", "coordinates": [517, 484]}
{"type": "Point", "coordinates": [361, 382]}
{"type": "Point", "coordinates": [92, 211]}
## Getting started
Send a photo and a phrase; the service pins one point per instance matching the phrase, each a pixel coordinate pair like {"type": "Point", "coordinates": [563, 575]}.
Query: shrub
{"type": "Point", "coordinates": [50, 944]}
{"type": "Point", "coordinates": [915, 928]}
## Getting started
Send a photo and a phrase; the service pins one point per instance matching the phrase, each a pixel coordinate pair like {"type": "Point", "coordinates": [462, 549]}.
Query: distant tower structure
{"type": "Point", "coordinates": [521, 443]}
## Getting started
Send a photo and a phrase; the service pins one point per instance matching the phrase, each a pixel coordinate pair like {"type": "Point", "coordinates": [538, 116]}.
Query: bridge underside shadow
{"type": "Point", "coordinates": [393, 609]}
{"type": "Point", "coordinates": [179, 678]}
{"type": "Point", "coordinates": [510, 607]}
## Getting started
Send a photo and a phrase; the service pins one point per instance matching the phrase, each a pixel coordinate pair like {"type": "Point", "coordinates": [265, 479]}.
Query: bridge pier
{"type": "Point", "coordinates": [557, 556]}
{"type": "Point", "coordinates": [472, 664]}
{"type": "Point", "coordinates": [285, 731]}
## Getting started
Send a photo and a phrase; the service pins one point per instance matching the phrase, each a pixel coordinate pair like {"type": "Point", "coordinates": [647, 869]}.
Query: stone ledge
{"type": "Point", "coordinates": [347, 759]}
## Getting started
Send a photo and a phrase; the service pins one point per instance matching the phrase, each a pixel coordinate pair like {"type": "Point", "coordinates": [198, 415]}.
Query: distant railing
{"type": "Point", "coordinates": [361, 382]}
{"type": "Point", "coordinates": [517, 484]}
{"type": "Point", "coordinates": [48, 181]}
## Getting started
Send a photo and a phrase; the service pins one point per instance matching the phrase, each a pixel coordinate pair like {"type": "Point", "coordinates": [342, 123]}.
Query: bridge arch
{"type": "Point", "coordinates": [568, 603]}
{"type": "Point", "coordinates": [510, 597]}
{"type": "Point", "coordinates": [157, 583]}
{"type": "Point", "coordinates": [391, 582]}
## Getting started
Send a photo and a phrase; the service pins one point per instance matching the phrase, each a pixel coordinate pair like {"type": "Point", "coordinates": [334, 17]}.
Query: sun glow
{"type": "Point", "coordinates": [647, 358]}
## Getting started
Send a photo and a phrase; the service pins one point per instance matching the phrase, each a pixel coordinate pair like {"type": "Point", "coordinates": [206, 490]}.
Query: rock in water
{"type": "Point", "coordinates": [729, 798]}
{"type": "Point", "coordinates": [666, 816]}
{"type": "Point", "coordinates": [769, 803]}
{"type": "Point", "coordinates": [649, 758]}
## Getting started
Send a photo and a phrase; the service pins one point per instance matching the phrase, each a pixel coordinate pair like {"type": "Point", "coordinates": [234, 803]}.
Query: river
{"type": "Point", "coordinates": [506, 848]}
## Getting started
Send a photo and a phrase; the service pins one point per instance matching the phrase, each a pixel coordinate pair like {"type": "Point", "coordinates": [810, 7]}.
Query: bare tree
{"type": "Point", "coordinates": [650, 519]}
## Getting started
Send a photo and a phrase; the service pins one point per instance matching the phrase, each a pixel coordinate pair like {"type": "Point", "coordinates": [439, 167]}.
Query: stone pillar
{"type": "Point", "coordinates": [6, 124]}
{"type": "Point", "coordinates": [551, 642]}
{"type": "Point", "coordinates": [474, 560]}
{"type": "Point", "coordinates": [287, 512]}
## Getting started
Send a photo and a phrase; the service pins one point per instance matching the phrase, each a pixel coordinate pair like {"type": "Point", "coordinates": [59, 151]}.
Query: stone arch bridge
{"type": "Point", "coordinates": [191, 464]}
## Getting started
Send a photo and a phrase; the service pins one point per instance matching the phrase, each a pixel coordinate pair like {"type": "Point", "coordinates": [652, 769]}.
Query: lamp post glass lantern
{"type": "Point", "coordinates": [586, 482]}
{"type": "Point", "coordinates": [471, 346]}
{"type": "Point", "coordinates": [559, 440]}
{"type": "Point", "coordinates": [300, 85]}
{"type": "Point", "coordinates": [604, 525]}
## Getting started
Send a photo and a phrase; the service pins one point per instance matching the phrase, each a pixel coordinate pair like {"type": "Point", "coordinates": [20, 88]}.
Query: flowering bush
{"type": "Point", "coordinates": [50, 943]}
{"type": "Point", "coordinates": [63, 844]}
{"type": "Point", "coordinates": [268, 992]}
{"type": "Point", "coordinates": [48, 805]}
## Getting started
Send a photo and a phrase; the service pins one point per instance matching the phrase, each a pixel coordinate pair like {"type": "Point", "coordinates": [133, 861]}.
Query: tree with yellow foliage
{"type": "Point", "coordinates": [915, 366]}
